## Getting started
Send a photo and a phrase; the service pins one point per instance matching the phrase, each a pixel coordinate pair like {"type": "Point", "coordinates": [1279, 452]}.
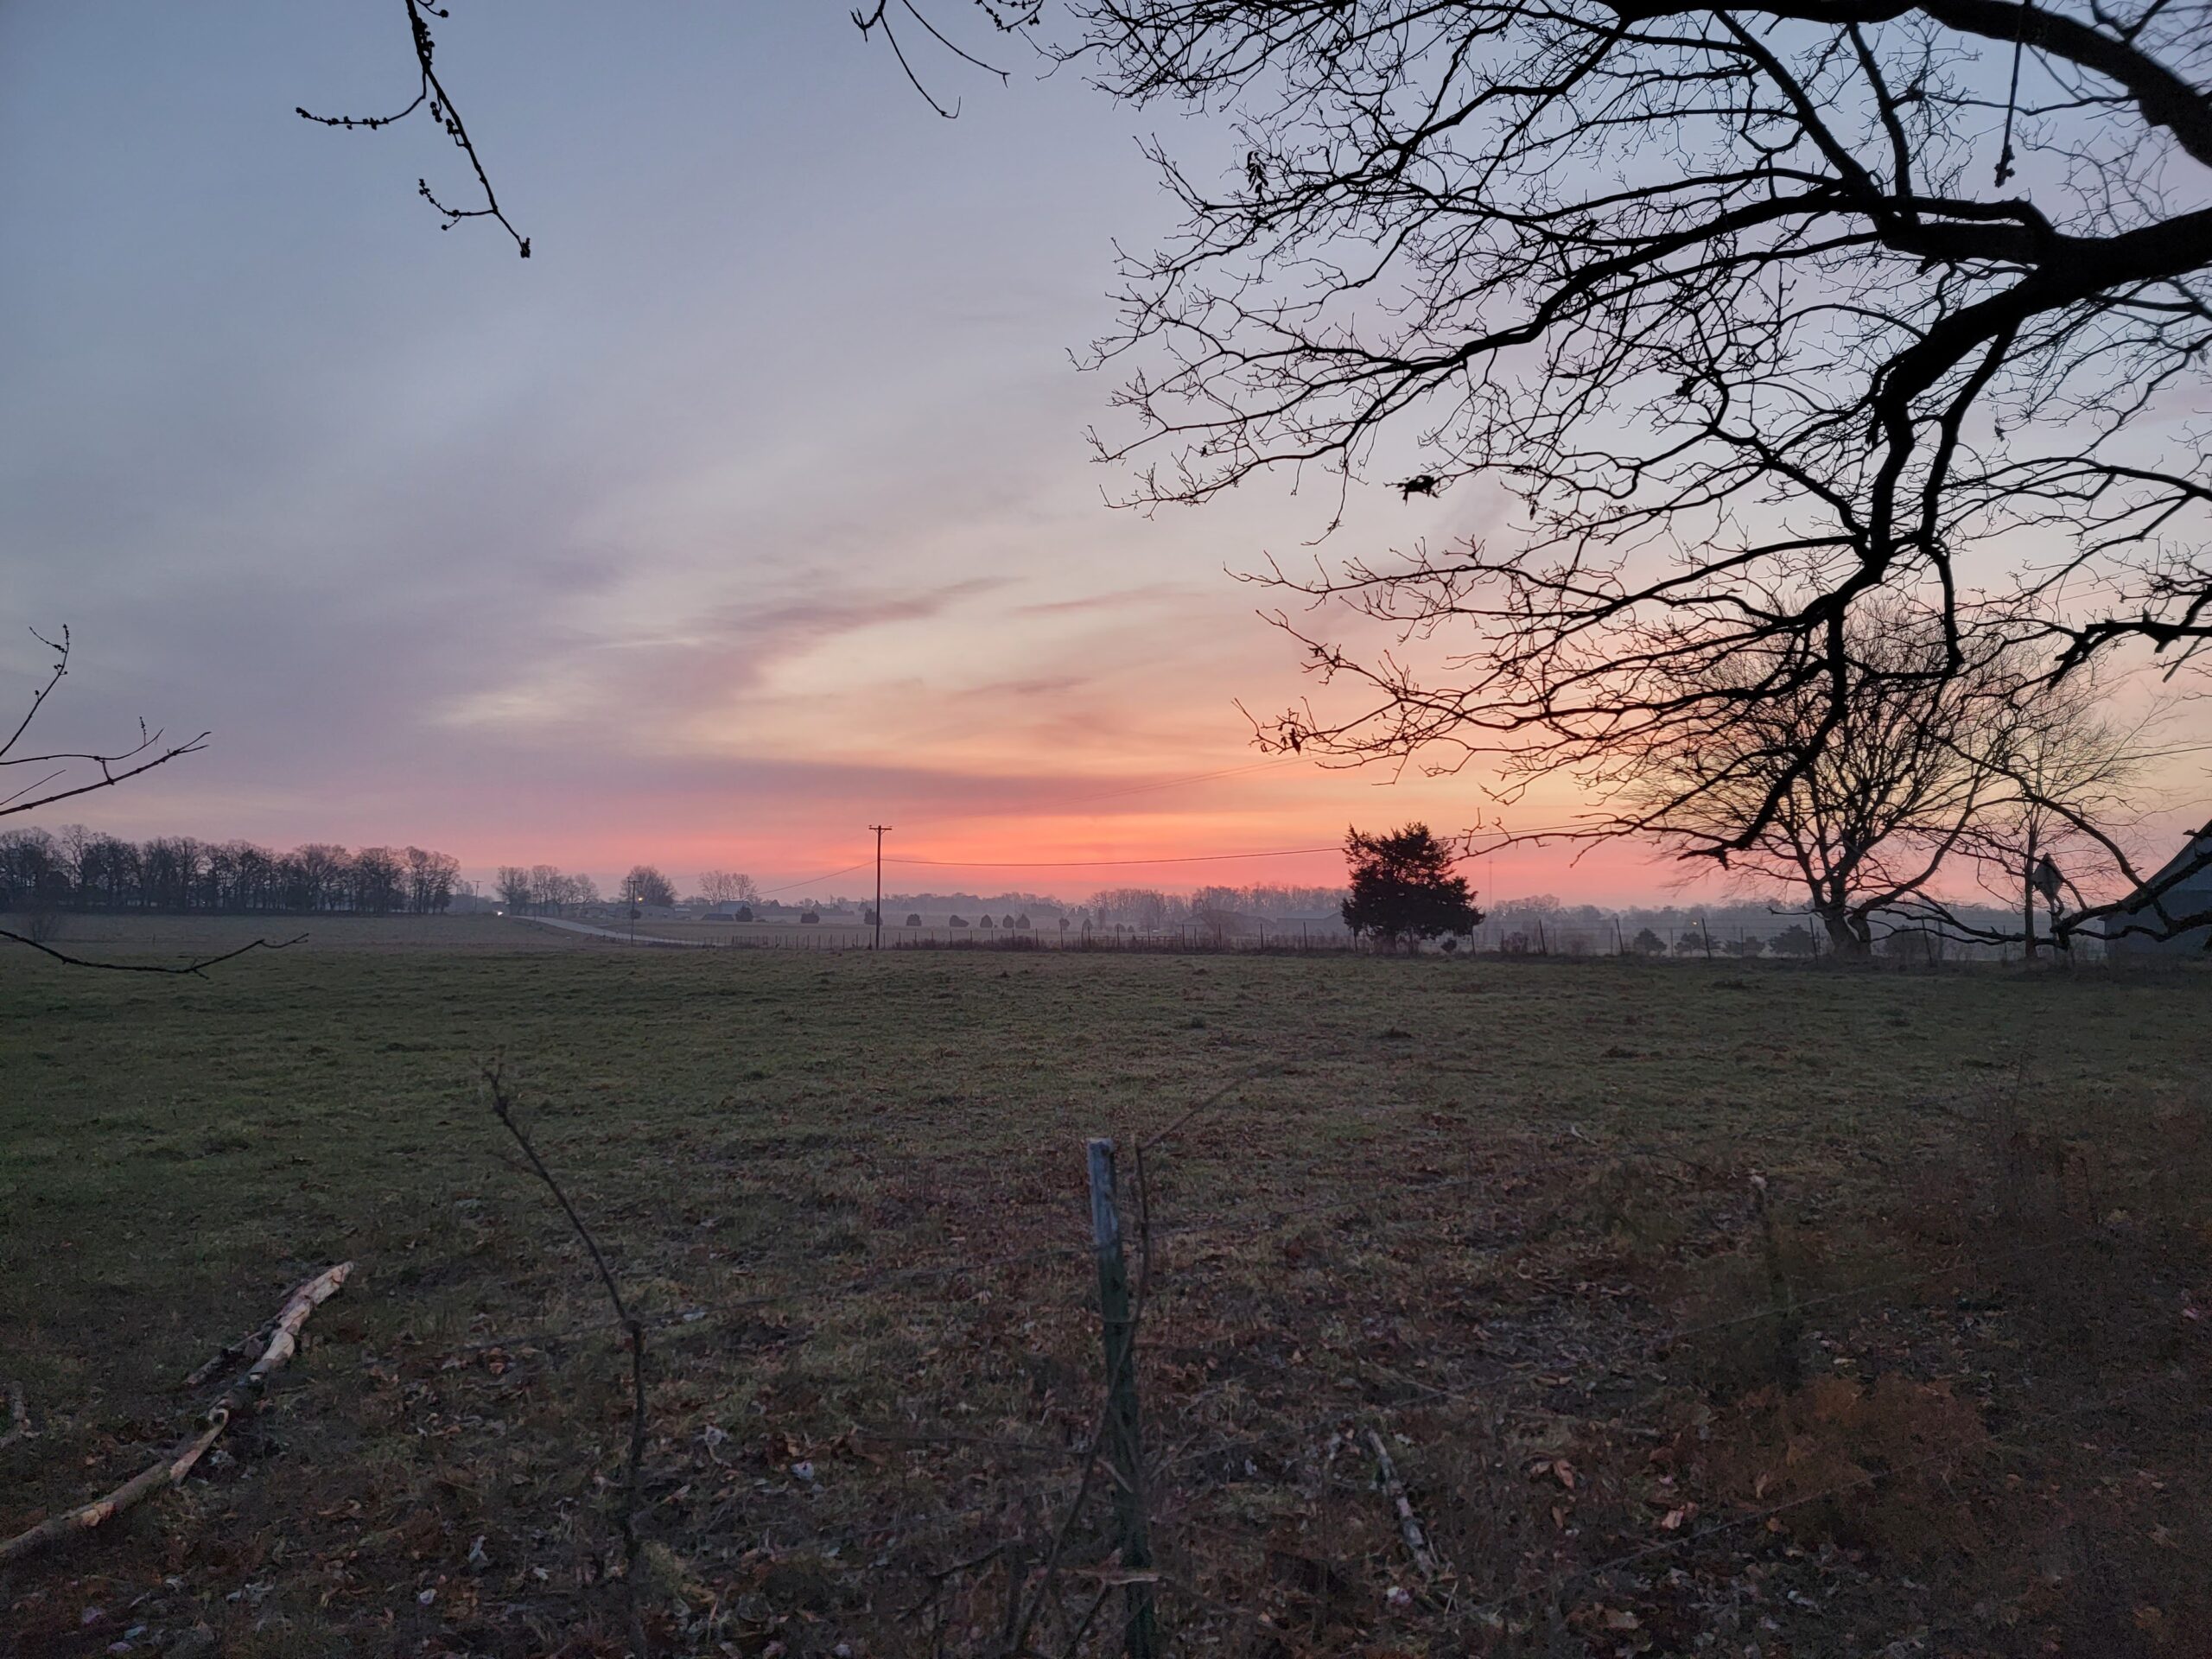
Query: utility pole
{"type": "Point", "coordinates": [879, 828]}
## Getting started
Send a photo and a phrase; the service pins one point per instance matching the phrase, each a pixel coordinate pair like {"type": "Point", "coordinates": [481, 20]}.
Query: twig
{"type": "Point", "coordinates": [503, 1109]}
{"type": "Point", "coordinates": [116, 766]}
{"type": "Point", "coordinates": [1020, 1634]}
{"type": "Point", "coordinates": [170, 1471]}
{"type": "Point", "coordinates": [431, 91]}
{"type": "Point", "coordinates": [1217, 1096]}
{"type": "Point", "coordinates": [944, 1575]}
{"type": "Point", "coordinates": [1075, 1642]}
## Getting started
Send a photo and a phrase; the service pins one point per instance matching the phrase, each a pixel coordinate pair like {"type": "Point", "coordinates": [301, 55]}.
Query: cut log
{"type": "Point", "coordinates": [283, 1343]}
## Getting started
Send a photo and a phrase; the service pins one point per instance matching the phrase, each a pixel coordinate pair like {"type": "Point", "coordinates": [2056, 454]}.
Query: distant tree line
{"type": "Point", "coordinates": [542, 890]}
{"type": "Point", "coordinates": [76, 868]}
{"type": "Point", "coordinates": [1150, 910]}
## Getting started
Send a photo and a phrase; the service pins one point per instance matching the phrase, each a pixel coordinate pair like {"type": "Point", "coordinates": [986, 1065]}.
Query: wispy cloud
{"type": "Point", "coordinates": [1117, 601]}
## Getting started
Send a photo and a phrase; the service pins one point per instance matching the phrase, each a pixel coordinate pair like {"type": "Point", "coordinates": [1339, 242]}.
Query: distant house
{"type": "Point", "coordinates": [2189, 895]}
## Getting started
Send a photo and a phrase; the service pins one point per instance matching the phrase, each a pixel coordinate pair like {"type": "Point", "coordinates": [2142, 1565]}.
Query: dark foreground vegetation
{"type": "Point", "coordinates": [1742, 1308]}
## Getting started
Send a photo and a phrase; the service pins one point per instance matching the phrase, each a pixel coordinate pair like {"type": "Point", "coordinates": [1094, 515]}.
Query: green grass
{"type": "Point", "coordinates": [1457, 1198]}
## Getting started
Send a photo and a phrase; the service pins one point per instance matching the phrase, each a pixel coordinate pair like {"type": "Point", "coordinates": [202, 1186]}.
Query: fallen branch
{"type": "Point", "coordinates": [197, 968]}
{"type": "Point", "coordinates": [283, 1343]}
{"type": "Point", "coordinates": [246, 1349]}
{"type": "Point", "coordinates": [1409, 1528]}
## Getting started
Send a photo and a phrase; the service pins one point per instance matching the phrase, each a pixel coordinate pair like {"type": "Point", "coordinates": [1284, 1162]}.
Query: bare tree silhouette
{"type": "Point", "coordinates": [1877, 804]}
{"type": "Point", "coordinates": [1713, 293]}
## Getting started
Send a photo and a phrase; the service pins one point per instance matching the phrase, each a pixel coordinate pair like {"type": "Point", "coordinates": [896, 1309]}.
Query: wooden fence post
{"type": "Point", "coordinates": [1123, 1448]}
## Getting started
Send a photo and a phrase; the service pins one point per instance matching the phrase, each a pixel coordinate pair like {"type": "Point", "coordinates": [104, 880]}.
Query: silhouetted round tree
{"type": "Point", "coordinates": [1403, 888]}
{"type": "Point", "coordinates": [647, 886]}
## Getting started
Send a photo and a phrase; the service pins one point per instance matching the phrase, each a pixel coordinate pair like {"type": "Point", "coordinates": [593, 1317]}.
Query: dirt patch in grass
{"type": "Point", "coordinates": [1946, 1392]}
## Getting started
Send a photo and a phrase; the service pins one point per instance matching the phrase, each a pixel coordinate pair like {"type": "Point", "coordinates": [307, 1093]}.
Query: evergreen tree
{"type": "Point", "coordinates": [1403, 886]}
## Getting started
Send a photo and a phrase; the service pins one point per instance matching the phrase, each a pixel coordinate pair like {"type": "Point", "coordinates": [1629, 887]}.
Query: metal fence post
{"type": "Point", "coordinates": [1123, 1448]}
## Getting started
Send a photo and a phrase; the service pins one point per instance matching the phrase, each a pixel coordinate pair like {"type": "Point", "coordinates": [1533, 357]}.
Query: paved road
{"type": "Point", "coordinates": [620, 936]}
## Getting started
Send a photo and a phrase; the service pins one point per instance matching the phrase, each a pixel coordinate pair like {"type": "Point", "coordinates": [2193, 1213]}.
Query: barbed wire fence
{"type": "Point", "coordinates": [1120, 1549]}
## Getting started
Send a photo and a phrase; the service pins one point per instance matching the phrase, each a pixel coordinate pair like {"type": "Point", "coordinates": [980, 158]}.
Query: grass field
{"type": "Point", "coordinates": [1503, 1212]}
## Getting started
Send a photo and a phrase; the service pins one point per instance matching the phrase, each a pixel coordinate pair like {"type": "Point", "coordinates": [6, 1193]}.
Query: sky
{"type": "Point", "coordinates": [753, 509]}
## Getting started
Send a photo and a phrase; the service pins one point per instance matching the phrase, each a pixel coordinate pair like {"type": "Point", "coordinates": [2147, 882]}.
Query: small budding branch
{"type": "Point", "coordinates": [633, 1329]}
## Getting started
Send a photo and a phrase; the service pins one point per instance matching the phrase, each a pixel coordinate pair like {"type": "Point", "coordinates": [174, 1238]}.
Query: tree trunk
{"type": "Point", "coordinates": [1847, 935]}
{"type": "Point", "coordinates": [2028, 899]}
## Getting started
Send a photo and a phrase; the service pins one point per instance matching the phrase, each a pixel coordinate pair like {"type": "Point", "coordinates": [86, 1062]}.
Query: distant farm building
{"type": "Point", "coordinates": [2133, 930]}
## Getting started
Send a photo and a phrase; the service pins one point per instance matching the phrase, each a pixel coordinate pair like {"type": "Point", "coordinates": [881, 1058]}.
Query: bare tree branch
{"type": "Point", "coordinates": [114, 767]}
{"type": "Point", "coordinates": [1709, 293]}
{"type": "Point", "coordinates": [430, 94]}
{"type": "Point", "coordinates": [196, 967]}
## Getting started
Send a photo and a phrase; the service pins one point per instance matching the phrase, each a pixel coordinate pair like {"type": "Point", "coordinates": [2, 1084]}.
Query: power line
{"type": "Point", "coordinates": [1102, 864]}
{"type": "Point", "coordinates": [1055, 864]}
{"type": "Point", "coordinates": [815, 880]}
